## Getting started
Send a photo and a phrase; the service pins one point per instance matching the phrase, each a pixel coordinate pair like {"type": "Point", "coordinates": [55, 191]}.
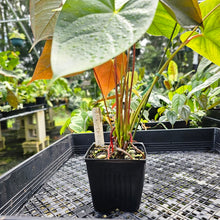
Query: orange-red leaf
{"type": "Point", "coordinates": [43, 69]}
{"type": "Point", "coordinates": [105, 73]}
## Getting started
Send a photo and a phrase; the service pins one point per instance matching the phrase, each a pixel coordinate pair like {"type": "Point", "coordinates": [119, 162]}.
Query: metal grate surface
{"type": "Point", "coordinates": [177, 186]}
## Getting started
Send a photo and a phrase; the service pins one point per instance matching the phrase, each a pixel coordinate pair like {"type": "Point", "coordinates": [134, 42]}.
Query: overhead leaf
{"type": "Point", "coordinates": [187, 13]}
{"type": "Point", "coordinates": [43, 69]}
{"type": "Point", "coordinates": [163, 24]}
{"type": "Point", "coordinates": [172, 71]}
{"type": "Point", "coordinates": [43, 18]}
{"type": "Point", "coordinates": [12, 98]}
{"type": "Point", "coordinates": [89, 33]}
{"type": "Point", "coordinates": [207, 43]}
{"type": "Point", "coordinates": [104, 73]}
{"type": "Point", "coordinates": [207, 83]}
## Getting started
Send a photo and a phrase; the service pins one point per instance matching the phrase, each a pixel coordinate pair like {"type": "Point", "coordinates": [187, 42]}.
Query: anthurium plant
{"type": "Point", "coordinates": [101, 35]}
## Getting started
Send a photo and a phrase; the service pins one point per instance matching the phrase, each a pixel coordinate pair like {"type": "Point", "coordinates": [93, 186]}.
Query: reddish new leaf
{"type": "Point", "coordinates": [105, 73]}
{"type": "Point", "coordinates": [43, 69]}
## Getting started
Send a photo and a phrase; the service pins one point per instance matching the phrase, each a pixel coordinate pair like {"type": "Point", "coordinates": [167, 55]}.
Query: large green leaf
{"type": "Point", "coordinates": [89, 33]}
{"type": "Point", "coordinates": [207, 43]}
{"type": "Point", "coordinates": [187, 13]}
{"type": "Point", "coordinates": [43, 18]}
{"type": "Point", "coordinates": [163, 24]}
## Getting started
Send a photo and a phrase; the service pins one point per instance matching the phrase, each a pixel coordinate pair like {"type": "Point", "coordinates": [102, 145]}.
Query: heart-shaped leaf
{"type": "Point", "coordinates": [163, 24]}
{"type": "Point", "coordinates": [187, 13]}
{"type": "Point", "coordinates": [89, 33]}
{"type": "Point", "coordinates": [43, 18]}
{"type": "Point", "coordinates": [207, 44]}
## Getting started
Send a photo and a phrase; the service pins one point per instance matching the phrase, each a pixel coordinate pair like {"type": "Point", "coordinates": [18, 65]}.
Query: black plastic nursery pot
{"type": "Point", "coordinates": [181, 179]}
{"type": "Point", "coordinates": [116, 184]}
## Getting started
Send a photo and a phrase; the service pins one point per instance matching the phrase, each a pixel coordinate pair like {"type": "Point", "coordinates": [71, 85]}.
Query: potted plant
{"type": "Point", "coordinates": [95, 34]}
{"type": "Point", "coordinates": [17, 39]}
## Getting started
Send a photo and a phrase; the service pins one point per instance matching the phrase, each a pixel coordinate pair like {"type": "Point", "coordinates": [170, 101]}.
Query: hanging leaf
{"type": "Point", "coordinates": [105, 74]}
{"type": "Point", "coordinates": [89, 33]}
{"type": "Point", "coordinates": [12, 99]}
{"type": "Point", "coordinates": [43, 69]}
{"type": "Point", "coordinates": [43, 18]}
{"type": "Point", "coordinates": [207, 43]}
{"type": "Point", "coordinates": [163, 24]}
{"type": "Point", "coordinates": [187, 13]}
{"type": "Point", "coordinates": [172, 71]}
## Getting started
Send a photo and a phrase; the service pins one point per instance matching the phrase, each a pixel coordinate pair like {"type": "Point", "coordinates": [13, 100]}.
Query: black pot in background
{"type": "Point", "coordinates": [168, 125]}
{"type": "Point", "coordinates": [214, 113]}
{"type": "Point", "coordinates": [212, 119]}
{"type": "Point", "coordinates": [116, 184]}
{"type": "Point", "coordinates": [40, 100]}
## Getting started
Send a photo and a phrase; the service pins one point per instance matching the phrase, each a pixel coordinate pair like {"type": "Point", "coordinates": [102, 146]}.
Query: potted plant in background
{"type": "Point", "coordinates": [95, 34]}
{"type": "Point", "coordinates": [17, 39]}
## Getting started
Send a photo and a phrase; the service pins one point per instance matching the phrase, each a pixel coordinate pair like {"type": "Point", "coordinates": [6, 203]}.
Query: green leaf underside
{"type": "Point", "coordinates": [207, 83]}
{"type": "Point", "coordinates": [187, 13]}
{"type": "Point", "coordinates": [207, 44]}
{"type": "Point", "coordinates": [85, 39]}
{"type": "Point", "coordinates": [43, 18]}
{"type": "Point", "coordinates": [163, 23]}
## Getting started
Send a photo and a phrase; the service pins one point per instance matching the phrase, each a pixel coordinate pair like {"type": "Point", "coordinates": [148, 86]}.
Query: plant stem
{"type": "Point", "coordinates": [147, 94]}
{"type": "Point", "coordinates": [107, 112]}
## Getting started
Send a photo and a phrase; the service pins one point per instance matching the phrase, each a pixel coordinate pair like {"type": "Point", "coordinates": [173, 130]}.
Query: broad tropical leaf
{"type": "Point", "coordinates": [89, 33]}
{"type": "Point", "coordinates": [43, 69]}
{"type": "Point", "coordinates": [207, 43]}
{"type": "Point", "coordinates": [104, 73]}
{"type": "Point", "coordinates": [163, 24]}
{"type": "Point", "coordinates": [187, 13]}
{"type": "Point", "coordinates": [43, 18]}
